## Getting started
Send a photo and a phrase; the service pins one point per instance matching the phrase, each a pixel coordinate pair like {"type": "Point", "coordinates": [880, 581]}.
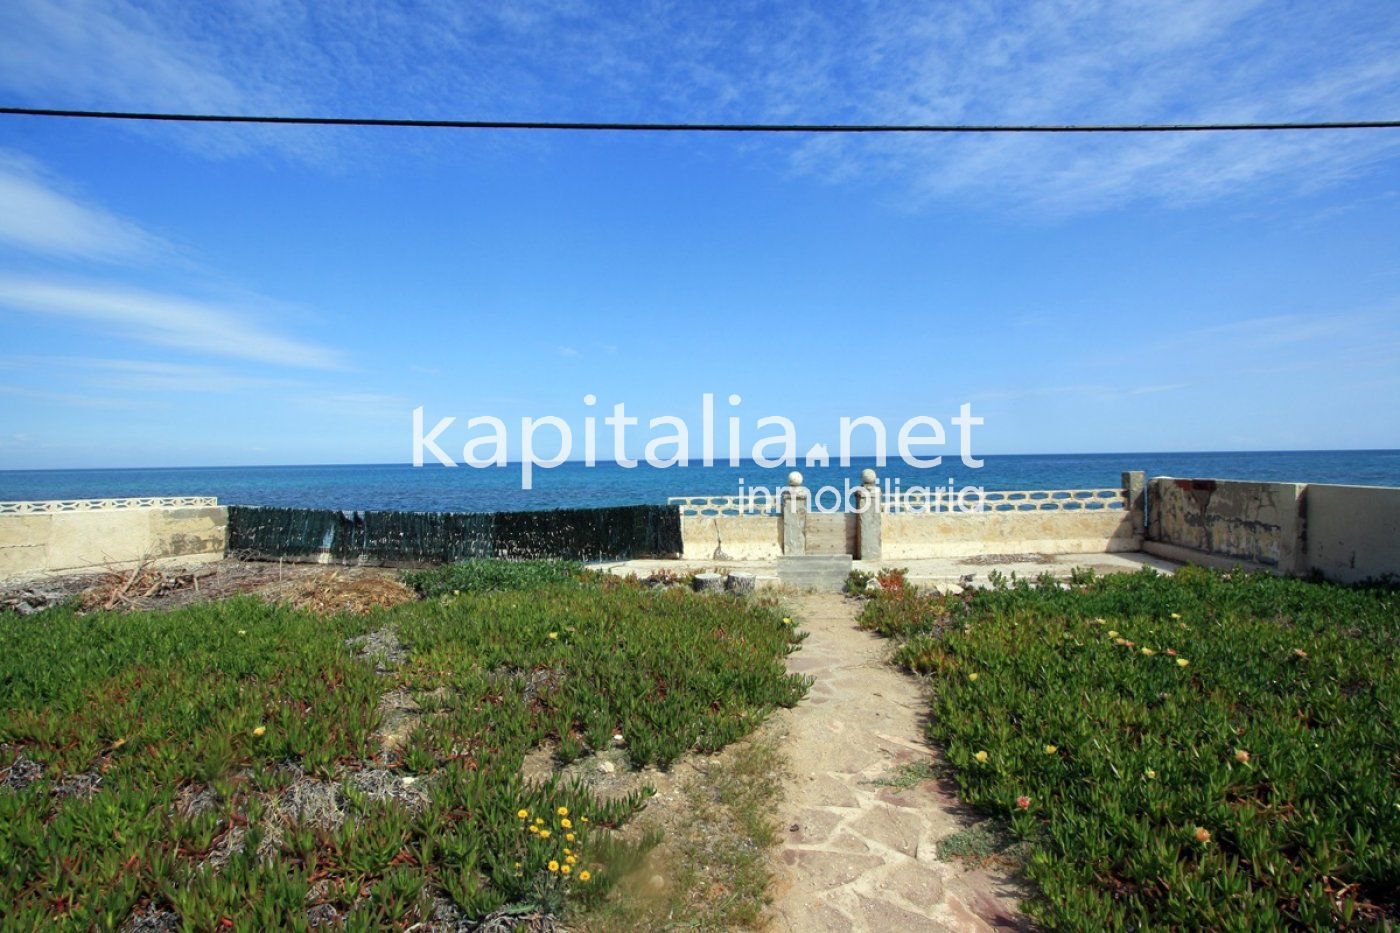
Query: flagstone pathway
{"type": "Point", "coordinates": [859, 855]}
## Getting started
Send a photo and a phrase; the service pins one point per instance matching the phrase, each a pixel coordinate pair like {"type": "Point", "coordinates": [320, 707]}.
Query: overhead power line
{"type": "Point", "coordinates": [705, 127]}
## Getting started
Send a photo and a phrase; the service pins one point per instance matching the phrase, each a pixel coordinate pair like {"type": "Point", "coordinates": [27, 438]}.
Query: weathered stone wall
{"type": "Point", "coordinates": [732, 537]}
{"type": "Point", "coordinates": [912, 536]}
{"type": "Point", "coordinates": [40, 544]}
{"type": "Point", "coordinates": [1353, 532]}
{"type": "Point", "coordinates": [1231, 521]}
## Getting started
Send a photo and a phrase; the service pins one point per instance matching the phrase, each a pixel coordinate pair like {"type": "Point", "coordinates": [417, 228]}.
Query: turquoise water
{"type": "Point", "coordinates": [465, 489]}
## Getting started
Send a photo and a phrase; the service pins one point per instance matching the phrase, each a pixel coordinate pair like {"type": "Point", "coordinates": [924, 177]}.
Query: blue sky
{"type": "Point", "coordinates": [189, 295]}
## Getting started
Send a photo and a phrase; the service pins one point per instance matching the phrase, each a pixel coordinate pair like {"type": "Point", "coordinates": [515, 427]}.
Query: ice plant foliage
{"type": "Point", "coordinates": [111, 725]}
{"type": "Point", "coordinates": [1256, 780]}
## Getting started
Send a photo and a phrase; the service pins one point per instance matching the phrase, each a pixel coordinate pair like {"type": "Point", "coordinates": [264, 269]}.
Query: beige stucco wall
{"type": "Point", "coordinates": [46, 544]}
{"type": "Point", "coordinates": [1253, 523]}
{"type": "Point", "coordinates": [911, 536]}
{"type": "Point", "coordinates": [1353, 532]}
{"type": "Point", "coordinates": [737, 537]}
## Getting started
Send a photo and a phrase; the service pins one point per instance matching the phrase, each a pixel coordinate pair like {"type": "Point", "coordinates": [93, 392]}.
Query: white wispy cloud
{"type": "Point", "coordinates": [37, 216]}
{"type": "Point", "coordinates": [963, 61]}
{"type": "Point", "coordinates": [1099, 392]}
{"type": "Point", "coordinates": [166, 320]}
{"type": "Point", "coordinates": [69, 399]}
{"type": "Point", "coordinates": [157, 375]}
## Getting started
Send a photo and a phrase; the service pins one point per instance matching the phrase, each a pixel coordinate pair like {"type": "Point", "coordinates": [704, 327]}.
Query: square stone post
{"type": "Point", "coordinates": [869, 516]}
{"type": "Point", "coordinates": [1135, 496]}
{"type": "Point", "coordinates": [794, 517]}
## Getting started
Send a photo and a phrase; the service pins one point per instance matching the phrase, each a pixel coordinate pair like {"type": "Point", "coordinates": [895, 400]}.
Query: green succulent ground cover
{"type": "Point", "coordinates": [171, 763]}
{"type": "Point", "coordinates": [1197, 751]}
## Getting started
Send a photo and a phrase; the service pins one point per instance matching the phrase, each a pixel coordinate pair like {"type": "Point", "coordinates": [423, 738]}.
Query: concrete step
{"type": "Point", "coordinates": [825, 573]}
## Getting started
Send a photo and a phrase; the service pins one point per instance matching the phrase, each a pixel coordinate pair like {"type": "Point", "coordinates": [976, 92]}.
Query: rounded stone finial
{"type": "Point", "coordinates": [868, 477]}
{"type": "Point", "coordinates": [794, 478]}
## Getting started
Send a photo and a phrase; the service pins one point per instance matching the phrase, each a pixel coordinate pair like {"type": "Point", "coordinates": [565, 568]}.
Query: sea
{"type": "Point", "coordinates": [436, 488]}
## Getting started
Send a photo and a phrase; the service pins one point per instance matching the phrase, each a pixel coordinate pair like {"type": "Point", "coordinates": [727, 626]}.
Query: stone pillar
{"type": "Point", "coordinates": [869, 516]}
{"type": "Point", "coordinates": [1135, 494]}
{"type": "Point", "coordinates": [794, 516]}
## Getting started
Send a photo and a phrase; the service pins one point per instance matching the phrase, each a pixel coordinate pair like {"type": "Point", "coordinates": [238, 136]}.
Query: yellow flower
{"type": "Point", "coordinates": [534, 828]}
{"type": "Point", "coordinates": [1176, 615]}
{"type": "Point", "coordinates": [243, 631]}
{"type": "Point", "coordinates": [554, 635]}
{"type": "Point", "coordinates": [1148, 651]}
{"type": "Point", "coordinates": [972, 676]}
{"type": "Point", "coordinates": [553, 865]}
{"type": "Point", "coordinates": [1112, 633]}
{"type": "Point", "coordinates": [1182, 662]}
{"type": "Point", "coordinates": [787, 621]}
{"type": "Point", "coordinates": [563, 811]}
{"type": "Point", "coordinates": [583, 819]}
{"type": "Point", "coordinates": [566, 868]}
{"type": "Point", "coordinates": [566, 823]}
{"type": "Point", "coordinates": [1098, 621]}
{"type": "Point", "coordinates": [517, 866]}
{"type": "Point", "coordinates": [539, 821]}
{"type": "Point", "coordinates": [260, 731]}
{"type": "Point", "coordinates": [1202, 835]}
{"type": "Point", "coordinates": [1150, 774]}
{"type": "Point", "coordinates": [1051, 749]}
{"type": "Point", "coordinates": [584, 875]}
{"type": "Point", "coordinates": [981, 757]}
{"type": "Point", "coordinates": [568, 851]}
{"type": "Point", "coordinates": [522, 814]}
{"type": "Point", "coordinates": [1242, 756]}
{"type": "Point", "coordinates": [544, 834]}
{"type": "Point", "coordinates": [569, 837]}
{"type": "Point", "coordinates": [570, 859]}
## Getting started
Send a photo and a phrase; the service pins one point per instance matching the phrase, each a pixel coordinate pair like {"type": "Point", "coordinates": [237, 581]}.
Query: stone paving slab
{"type": "Point", "coordinates": [943, 572]}
{"type": "Point", "coordinates": [858, 855]}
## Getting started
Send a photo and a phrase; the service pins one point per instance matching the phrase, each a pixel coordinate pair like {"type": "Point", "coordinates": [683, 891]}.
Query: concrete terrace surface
{"type": "Point", "coordinates": [942, 571]}
{"type": "Point", "coordinates": [857, 854]}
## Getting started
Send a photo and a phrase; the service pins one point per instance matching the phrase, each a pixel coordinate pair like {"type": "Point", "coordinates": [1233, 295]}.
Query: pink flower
{"type": "Point", "coordinates": [1023, 802]}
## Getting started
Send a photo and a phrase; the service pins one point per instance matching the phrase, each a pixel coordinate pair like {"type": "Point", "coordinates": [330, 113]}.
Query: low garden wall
{"type": "Point", "coordinates": [953, 534]}
{"type": "Point", "coordinates": [39, 539]}
{"type": "Point", "coordinates": [1347, 534]}
{"type": "Point", "coordinates": [1238, 522]}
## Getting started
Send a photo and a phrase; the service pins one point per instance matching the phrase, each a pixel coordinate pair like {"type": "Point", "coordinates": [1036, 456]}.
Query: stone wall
{"type": "Point", "coordinates": [1346, 534]}
{"type": "Point", "coordinates": [1353, 532]}
{"type": "Point", "coordinates": [48, 539]}
{"type": "Point", "coordinates": [1259, 524]}
{"type": "Point", "coordinates": [955, 534]}
{"type": "Point", "coordinates": [731, 537]}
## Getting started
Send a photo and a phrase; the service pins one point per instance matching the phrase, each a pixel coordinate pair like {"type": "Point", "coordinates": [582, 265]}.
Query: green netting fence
{"type": "Point", "coordinates": [414, 538]}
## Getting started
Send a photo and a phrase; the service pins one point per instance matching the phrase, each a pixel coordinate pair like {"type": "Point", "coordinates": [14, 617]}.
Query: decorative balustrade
{"type": "Point", "coordinates": [714, 506]}
{"type": "Point", "coordinates": [52, 506]}
{"type": "Point", "coordinates": [932, 501]}
{"type": "Point", "coordinates": [1031, 500]}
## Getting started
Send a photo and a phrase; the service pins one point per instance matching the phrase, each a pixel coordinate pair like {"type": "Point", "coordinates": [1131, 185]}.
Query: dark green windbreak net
{"type": "Point", "coordinates": [622, 532]}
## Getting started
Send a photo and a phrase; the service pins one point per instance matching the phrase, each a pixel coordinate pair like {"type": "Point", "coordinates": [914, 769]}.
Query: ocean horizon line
{"type": "Point", "coordinates": [719, 462]}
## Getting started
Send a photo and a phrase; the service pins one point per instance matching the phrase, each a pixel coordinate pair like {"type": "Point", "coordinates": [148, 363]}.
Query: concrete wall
{"type": "Point", "coordinates": [1353, 532]}
{"type": "Point", "coordinates": [39, 544]}
{"type": "Point", "coordinates": [1227, 521]}
{"type": "Point", "coordinates": [1344, 533]}
{"type": "Point", "coordinates": [911, 536]}
{"type": "Point", "coordinates": [736, 537]}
